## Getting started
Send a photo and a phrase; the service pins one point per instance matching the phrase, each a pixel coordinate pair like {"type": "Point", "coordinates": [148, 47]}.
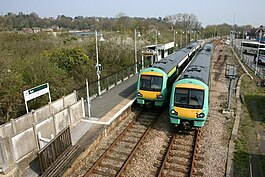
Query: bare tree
{"type": "Point", "coordinates": [185, 21]}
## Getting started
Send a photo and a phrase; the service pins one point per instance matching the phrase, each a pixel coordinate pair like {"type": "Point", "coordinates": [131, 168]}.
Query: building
{"type": "Point", "coordinates": [154, 53]}
{"type": "Point", "coordinates": [260, 34]}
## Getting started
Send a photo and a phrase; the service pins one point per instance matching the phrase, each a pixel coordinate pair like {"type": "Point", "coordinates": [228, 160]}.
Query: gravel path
{"type": "Point", "coordinates": [214, 134]}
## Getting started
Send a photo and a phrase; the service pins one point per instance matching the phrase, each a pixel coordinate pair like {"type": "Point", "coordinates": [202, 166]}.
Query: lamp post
{"type": "Point", "coordinates": [98, 65]}
{"type": "Point", "coordinates": [257, 56]}
{"type": "Point", "coordinates": [181, 38]}
{"type": "Point", "coordinates": [135, 49]}
{"type": "Point", "coordinates": [175, 39]}
{"type": "Point", "coordinates": [186, 38]}
{"type": "Point", "coordinates": [157, 34]}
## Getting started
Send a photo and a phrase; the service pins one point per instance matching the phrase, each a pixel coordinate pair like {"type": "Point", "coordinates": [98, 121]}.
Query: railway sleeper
{"type": "Point", "coordinates": [174, 175]}
{"type": "Point", "coordinates": [143, 121]}
{"type": "Point", "coordinates": [129, 141]}
{"type": "Point", "coordinates": [185, 132]}
{"type": "Point", "coordinates": [183, 142]}
{"type": "Point", "coordinates": [183, 148]}
{"type": "Point", "coordinates": [128, 146]}
{"type": "Point", "coordinates": [103, 173]}
{"type": "Point", "coordinates": [139, 126]}
{"type": "Point", "coordinates": [119, 158]}
{"type": "Point", "coordinates": [137, 132]}
{"type": "Point", "coordinates": [175, 169]}
{"type": "Point", "coordinates": [135, 136]}
{"type": "Point", "coordinates": [187, 137]}
{"type": "Point", "coordinates": [110, 166]}
{"type": "Point", "coordinates": [180, 154]}
{"type": "Point", "coordinates": [178, 168]}
{"type": "Point", "coordinates": [185, 162]}
{"type": "Point", "coordinates": [118, 152]}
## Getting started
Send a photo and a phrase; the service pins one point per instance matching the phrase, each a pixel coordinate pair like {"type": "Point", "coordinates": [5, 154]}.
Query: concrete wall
{"type": "Point", "coordinates": [18, 139]}
{"type": "Point", "coordinates": [42, 113]}
{"type": "Point", "coordinates": [24, 122]}
{"type": "Point", "coordinates": [6, 130]}
{"type": "Point", "coordinates": [23, 143]}
{"type": "Point", "coordinates": [76, 111]}
{"type": "Point", "coordinates": [6, 158]}
{"type": "Point", "coordinates": [61, 120]}
{"type": "Point", "coordinates": [46, 127]}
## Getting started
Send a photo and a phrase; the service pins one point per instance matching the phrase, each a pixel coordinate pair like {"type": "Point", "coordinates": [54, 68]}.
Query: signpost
{"type": "Point", "coordinates": [36, 92]}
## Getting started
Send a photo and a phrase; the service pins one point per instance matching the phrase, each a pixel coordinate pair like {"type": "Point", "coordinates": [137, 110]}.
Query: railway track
{"type": "Point", "coordinates": [116, 158]}
{"type": "Point", "coordinates": [181, 154]}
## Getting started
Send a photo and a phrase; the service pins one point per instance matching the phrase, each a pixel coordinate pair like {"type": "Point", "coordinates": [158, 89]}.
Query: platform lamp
{"type": "Point", "coordinates": [181, 38]}
{"type": "Point", "coordinates": [257, 58]}
{"type": "Point", "coordinates": [157, 34]}
{"type": "Point", "coordinates": [186, 38]}
{"type": "Point", "coordinates": [98, 65]}
{"type": "Point", "coordinates": [175, 39]}
{"type": "Point", "coordinates": [136, 34]}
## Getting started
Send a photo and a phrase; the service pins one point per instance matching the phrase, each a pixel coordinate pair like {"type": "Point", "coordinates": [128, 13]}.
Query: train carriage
{"type": "Point", "coordinates": [190, 93]}
{"type": "Point", "coordinates": [154, 83]}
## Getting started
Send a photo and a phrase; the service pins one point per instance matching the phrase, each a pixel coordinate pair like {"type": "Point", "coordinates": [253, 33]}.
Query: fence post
{"type": "Point", "coordinates": [83, 107]}
{"type": "Point", "coordinates": [69, 115]}
{"type": "Point", "coordinates": [63, 102]}
{"type": "Point", "coordinates": [116, 79]}
{"type": "Point", "coordinates": [107, 83]}
{"type": "Point", "coordinates": [122, 79]}
{"type": "Point", "coordinates": [36, 136]}
{"type": "Point", "coordinates": [54, 124]}
{"type": "Point", "coordinates": [13, 126]}
{"type": "Point", "coordinates": [4, 155]}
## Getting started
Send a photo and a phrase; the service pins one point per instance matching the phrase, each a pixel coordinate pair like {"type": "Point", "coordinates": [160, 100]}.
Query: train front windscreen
{"type": "Point", "coordinates": [151, 83]}
{"type": "Point", "coordinates": [189, 98]}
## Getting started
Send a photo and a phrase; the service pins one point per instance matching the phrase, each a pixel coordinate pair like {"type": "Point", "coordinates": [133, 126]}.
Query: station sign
{"type": "Point", "coordinates": [36, 92]}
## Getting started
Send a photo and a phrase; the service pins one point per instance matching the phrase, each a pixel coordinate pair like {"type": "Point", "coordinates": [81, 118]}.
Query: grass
{"type": "Point", "coordinates": [253, 115]}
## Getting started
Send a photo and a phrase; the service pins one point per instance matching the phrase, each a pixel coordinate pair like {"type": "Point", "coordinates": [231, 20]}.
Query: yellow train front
{"type": "Point", "coordinates": [154, 83]}
{"type": "Point", "coordinates": [189, 101]}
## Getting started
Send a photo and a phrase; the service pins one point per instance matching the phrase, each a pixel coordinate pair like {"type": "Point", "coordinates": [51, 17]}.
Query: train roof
{"type": "Point", "coordinates": [200, 66]}
{"type": "Point", "coordinates": [174, 59]}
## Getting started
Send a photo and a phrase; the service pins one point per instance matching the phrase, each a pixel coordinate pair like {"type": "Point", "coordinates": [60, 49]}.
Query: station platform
{"type": "Point", "coordinates": [104, 110]}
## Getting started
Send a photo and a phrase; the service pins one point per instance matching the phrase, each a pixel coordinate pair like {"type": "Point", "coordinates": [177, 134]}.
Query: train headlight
{"type": "Point", "coordinates": [174, 112]}
{"type": "Point", "coordinates": [139, 94]}
{"type": "Point", "coordinates": [159, 96]}
{"type": "Point", "coordinates": [201, 115]}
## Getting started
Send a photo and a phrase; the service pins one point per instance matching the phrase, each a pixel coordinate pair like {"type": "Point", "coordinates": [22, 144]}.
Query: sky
{"type": "Point", "coordinates": [209, 12]}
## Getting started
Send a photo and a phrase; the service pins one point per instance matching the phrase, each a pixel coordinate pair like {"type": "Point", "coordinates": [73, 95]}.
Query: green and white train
{"type": "Point", "coordinates": [155, 82]}
{"type": "Point", "coordinates": [189, 101]}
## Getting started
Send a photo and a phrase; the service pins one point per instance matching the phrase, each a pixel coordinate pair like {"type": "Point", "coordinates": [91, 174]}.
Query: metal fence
{"type": "Point", "coordinates": [106, 82]}
{"type": "Point", "coordinates": [249, 61]}
{"type": "Point", "coordinates": [52, 151]}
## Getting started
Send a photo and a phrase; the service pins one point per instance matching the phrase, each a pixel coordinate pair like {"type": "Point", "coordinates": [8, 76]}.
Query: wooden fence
{"type": "Point", "coordinates": [56, 147]}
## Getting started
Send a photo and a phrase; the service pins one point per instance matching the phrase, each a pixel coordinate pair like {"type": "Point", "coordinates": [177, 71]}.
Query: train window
{"type": "Point", "coordinates": [181, 97]}
{"type": "Point", "coordinates": [189, 98]}
{"type": "Point", "coordinates": [196, 98]}
{"type": "Point", "coordinates": [151, 83]}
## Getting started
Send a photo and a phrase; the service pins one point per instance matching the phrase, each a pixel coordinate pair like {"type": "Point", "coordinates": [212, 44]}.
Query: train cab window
{"type": "Point", "coordinates": [189, 98]}
{"type": "Point", "coordinates": [196, 98]}
{"type": "Point", "coordinates": [151, 83]}
{"type": "Point", "coordinates": [181, 97]}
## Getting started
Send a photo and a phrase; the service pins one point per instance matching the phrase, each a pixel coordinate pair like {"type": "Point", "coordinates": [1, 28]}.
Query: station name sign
{"type": "Point", "coordinates": [36, 92]}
